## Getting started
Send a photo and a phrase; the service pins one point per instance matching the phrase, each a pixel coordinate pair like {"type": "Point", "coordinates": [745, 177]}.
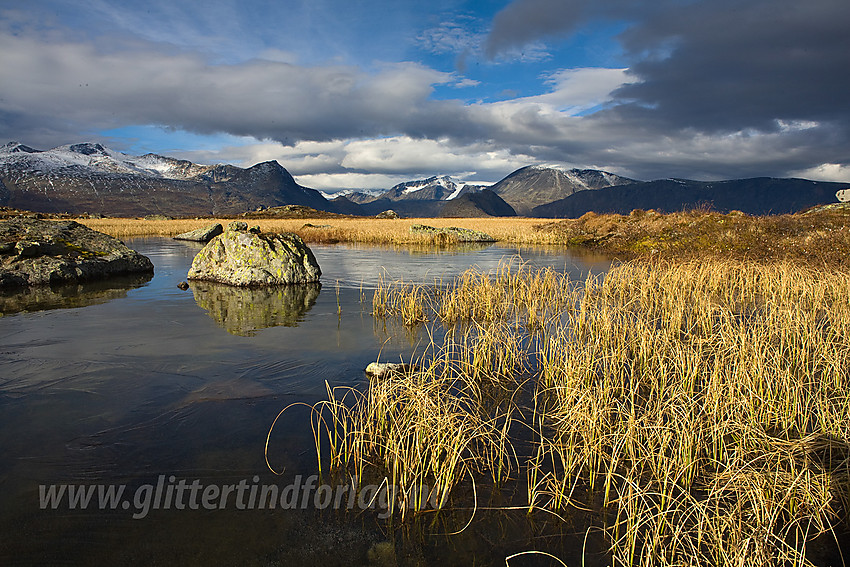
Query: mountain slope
{"type": "Point", "coordinates": [483, 203]}
{"type": "Point", "coordinates": [757, 196]}
{"type": "Point", "coordinates": [437, 188]}
{"type": "Point", "coordinates": [91, 178]}
{"type": "Point", "coordinates": [532, 186]}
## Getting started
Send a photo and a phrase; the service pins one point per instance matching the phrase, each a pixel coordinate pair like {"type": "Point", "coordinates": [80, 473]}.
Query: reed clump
{"type": "Point", "coordinates": [699, 410]}
{"type": "Point", "coordinates": [707, 403]}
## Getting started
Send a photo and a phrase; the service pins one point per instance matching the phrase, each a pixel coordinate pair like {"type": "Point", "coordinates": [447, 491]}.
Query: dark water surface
{"type": "Point", "coordinates": [135, 381]}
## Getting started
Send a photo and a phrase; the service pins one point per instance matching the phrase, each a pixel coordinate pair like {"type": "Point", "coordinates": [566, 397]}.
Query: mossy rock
{"type": "Point", "coordinates": [242, 257]}
{"type": "Point", "coordinates": [41, 252]}
{"type": "Point", "coordinates": [454, 232]}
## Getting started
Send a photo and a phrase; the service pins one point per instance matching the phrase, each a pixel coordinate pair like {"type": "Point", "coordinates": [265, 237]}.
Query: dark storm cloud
{"type": "Point", "coordinates": [524, 21]}
{"type": "Point", "coordinates": [735, 65]}
{"type": "Point", "coordinates": [719, 65]}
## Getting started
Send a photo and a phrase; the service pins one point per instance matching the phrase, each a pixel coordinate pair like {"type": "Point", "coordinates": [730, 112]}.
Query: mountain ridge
{"type": "Point", "coordinates": [756, 196]}
{"type": "Point", "coordinates": [91, 178]}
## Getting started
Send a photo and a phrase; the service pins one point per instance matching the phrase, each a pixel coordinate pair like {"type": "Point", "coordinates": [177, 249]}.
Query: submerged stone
{"type": "Point", "coordinates": [246, 258]}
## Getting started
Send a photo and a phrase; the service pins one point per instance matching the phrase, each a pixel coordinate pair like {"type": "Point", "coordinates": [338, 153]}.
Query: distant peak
{"type": "Point", "coordinates": [88, 149]}
{"type": "Point", "coordinates": [17, 147]}
{"type": "Point", "coordinates": [271, 164]}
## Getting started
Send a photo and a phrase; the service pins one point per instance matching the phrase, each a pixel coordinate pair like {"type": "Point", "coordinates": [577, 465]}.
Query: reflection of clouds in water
{"type": "Point", "coordinates": [244, 310]}
{"type": "Point", "coordinates": [39, 298]}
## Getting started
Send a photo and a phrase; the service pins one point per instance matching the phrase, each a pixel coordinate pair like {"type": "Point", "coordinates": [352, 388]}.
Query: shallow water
{"type": "Point", "coordinates": [127, 382]}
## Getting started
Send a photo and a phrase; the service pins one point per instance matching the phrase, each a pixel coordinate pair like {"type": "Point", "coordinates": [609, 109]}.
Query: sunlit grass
{"type": "Point", "coordinates": [700, 410]}
{"type": "Point", "coordinates": [821, 237]}
{"type": "Point", "coordinates": [362, 230]}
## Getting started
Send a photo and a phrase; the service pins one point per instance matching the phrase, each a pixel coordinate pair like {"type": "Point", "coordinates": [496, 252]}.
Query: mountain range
{"type": "Point", "coordinates": [90, 178]}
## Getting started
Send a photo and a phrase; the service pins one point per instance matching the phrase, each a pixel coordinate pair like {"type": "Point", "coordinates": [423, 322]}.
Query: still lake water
{"type": "Point", "coordinates": [132, 381]}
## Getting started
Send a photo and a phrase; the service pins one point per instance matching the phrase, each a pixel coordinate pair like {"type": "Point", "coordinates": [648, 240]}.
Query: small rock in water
{"type": "Point", "coordinates": [183, 285]}
{"type": "Point", "coordinates": [382, 369]}
{"type": "Point", "coordinates": [201, 234]}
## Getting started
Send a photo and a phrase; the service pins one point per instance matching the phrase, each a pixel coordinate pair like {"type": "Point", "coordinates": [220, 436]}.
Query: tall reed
{"type": "Point", "coordinates": [699, 410]}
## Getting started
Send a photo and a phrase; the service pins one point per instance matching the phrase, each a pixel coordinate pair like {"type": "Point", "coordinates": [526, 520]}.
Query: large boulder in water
{"type": "Point", "coordinates": [39, 252]}
{"type": "Point", "coordinates": [243, 257]}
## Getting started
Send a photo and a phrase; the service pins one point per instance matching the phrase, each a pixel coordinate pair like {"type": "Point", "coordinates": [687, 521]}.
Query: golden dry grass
{"type": "Point", "coordinates": [701, 410]}
{"type": "Point", "coordinates": [820, 237]}
{"type": "Point", "coordinates": [362, 230]}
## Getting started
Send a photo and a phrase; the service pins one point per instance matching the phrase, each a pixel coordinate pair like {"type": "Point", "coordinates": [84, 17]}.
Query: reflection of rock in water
{"type": "Point", "coordinates": [242, 310]}
{"type": "Point", "coordinates": [38, 298]}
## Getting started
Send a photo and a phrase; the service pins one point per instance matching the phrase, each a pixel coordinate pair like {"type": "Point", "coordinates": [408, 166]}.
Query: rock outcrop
{"type": "Point", "coordinates": [39, 252]}
{"type": "Point", "coordinates": [204, 234]}
{"type": "Point", "coordinates": [454, 232]}
{"type": "Point", "coordinates": [243, 257]}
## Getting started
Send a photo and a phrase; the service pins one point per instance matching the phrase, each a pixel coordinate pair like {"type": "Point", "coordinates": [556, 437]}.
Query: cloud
{"type": "Point", "coordinates": [74, 87]}
{"type": "Point", "coordinates": [523, 21]}
{"type": "Point", "coordinates": [705, 96]}
{"type": "Point", "coordinates": [731, 65]}
{"type": "Point", "coordinates": [372, 164]}
{"type": "Point", "coordinates": [718, 65]}
{"type": "Point", "coordinates": [466, 37]}
{"type": "Point", "coordinates": [825, 172]}
{"type": "Point", "coordinates": [759, 76]}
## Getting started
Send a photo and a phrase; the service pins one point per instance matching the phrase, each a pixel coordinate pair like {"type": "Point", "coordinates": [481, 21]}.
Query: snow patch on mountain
{"type": "Point", "coordinates": [458, 190]}
{"type": "Point", "coordinates": [345, 192]}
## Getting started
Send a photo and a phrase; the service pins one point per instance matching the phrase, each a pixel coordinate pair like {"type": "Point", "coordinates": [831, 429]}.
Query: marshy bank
{"type": "Point", "coordinates": [675, 413]}
{"type": "Point", "coordinates": [818, 236]}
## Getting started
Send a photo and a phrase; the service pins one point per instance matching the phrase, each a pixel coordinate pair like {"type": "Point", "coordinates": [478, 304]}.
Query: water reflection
{"type": "Point", "coordinates": [40, 298]}
{"type": "Point", "coordinates": [243, 311]}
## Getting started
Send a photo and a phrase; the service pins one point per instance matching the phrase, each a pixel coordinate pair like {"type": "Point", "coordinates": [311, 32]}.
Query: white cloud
{"type": "Point", "coordinates": [452, 36]}
{"type": "Point", "coordinates": [372, 164]}
{"type": "Point", "coordinates": [825, 172]}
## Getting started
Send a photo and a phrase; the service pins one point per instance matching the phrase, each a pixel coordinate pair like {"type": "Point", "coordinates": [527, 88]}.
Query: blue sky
{"type": "Point", "coordinates": [367, 93]}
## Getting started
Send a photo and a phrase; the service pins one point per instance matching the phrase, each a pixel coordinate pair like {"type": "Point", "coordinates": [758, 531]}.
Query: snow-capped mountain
{"type": "Point", "coordinates": [354, 195]}
{"type": "Point", "coordinates": [92, 178]}
{"type": "Point", "coordinates": [536, 185]}
{"type": "Point", "coordinates": [438, 188]}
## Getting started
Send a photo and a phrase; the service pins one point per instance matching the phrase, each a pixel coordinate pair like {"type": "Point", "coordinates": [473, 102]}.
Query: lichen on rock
{"type": "Point", "coordinates": [40, 252]}
{"type": "Point", "coordinates": [243, 257]}
{"type": "Point", "coordinates": [204, 234]}
{"type": "Point", "coordinates": [457, 233]}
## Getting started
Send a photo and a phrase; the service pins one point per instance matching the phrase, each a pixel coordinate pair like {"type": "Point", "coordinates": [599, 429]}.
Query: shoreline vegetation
{"type": "Point", "coordinates": [818, 237]}
{"type": "Point", "coordinates": [689, 407]}
{"type": "Point", "coordinates": [697, 412]}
